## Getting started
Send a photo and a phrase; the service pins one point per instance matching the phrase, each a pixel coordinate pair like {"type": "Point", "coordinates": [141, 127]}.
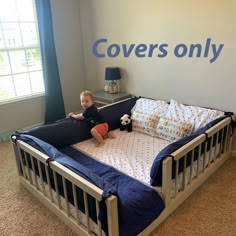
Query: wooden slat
{"type": "Point", "coordinates": [176, 177]}
{"type": "Point", "coordinates": [221, 141]}
{"type": "Point", "coordinates": [191, 166]}
{"type": "Point", "coordinates": [226, 138]}
{"type": "Point", "coordinates": [34, 172]}
{"type": "Point", "coordinates": [76, 204]}
{"type": "Point", "coordinates": [210, 151]}
{"type": "Point", "coordinates": [22, 165]}
{"type": "Point", "coordinates": [98, 221]}
{"type": "Point", "coordinates": [198, 158]}
{"type": "Point", "coordinates": [184, 173]}
{"type": "Point", "coordinates": [204, 157]}
{"type": "Point", "coordinates": [49, 184]}
{"type": "Point", "coordinates": [82, 183]}
{"type": "Point", "coordinates": [216, 145]}
{"type": "Point", "coordinates": [41, 177]}
{"type": "Point", "coordinates": [66, 196]}
{"type": "Point", "coordinates": [86, 212]}
{"type": "Point", "coordinates": [28, 169]}
{"type": "Point", "coordinates": [57, 190]}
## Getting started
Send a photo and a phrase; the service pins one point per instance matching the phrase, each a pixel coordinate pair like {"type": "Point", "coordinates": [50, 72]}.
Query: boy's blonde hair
{"type": "Point", "coordinates": [87, 93]}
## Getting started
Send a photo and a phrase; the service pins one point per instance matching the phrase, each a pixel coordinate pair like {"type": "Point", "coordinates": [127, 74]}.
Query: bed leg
{"type": "Point", "coordinates": [166, 180]}
{"type": "Point", "coordinates": [112, 216]}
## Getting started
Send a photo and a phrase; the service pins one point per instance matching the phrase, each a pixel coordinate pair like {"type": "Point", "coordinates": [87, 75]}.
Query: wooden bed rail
{"type": "Point", "coordinates": [176, 190]}
{"type": "Point", "coordinates": [200, 139]}
{"type": "Point", "coordinates": [31, 165]}
{"type": "Point", "coordinates": [211, 131]}
{"type": "Point", "coordinates": [191, 160]}
{"type": "Point", "coordinates": [37, 154]}
{"type": "Point", "coordinates": [178, 154]}
{"type": "Point", "coordinates": [80, 182]}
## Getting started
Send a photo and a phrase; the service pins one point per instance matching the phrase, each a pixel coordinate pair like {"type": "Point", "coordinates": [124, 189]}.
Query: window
{"type": "Point", "coordinates": [20, 57]}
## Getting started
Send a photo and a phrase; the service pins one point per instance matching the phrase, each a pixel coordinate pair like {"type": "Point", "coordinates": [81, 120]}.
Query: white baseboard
{"type": "Point", "coordinates": [233, 153]}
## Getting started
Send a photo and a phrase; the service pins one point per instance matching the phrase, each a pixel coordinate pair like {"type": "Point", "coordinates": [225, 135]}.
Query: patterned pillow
{"type": "Point", "coordinates": [144, 123]}
{"type": "Point", "coordinates": [150, 106]}
{"type": "Point", "coordinates": [198, 116]}
{"type": "Point", "coordinates": [172, 130]}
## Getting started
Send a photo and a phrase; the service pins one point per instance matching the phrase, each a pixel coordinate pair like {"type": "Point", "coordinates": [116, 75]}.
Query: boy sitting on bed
{"type": "Point", "coordinates": [99, 128]}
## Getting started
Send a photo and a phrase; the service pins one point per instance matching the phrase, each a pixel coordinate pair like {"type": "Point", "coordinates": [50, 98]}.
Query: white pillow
{"type": "Point", "coordinates": [144, 123]}
{"type": "Point", "coordinates": [198, 116]}
{"type": "Point", "coordinates": [173, 130]}
{"type": "Point", "coordinates": [149, 106]}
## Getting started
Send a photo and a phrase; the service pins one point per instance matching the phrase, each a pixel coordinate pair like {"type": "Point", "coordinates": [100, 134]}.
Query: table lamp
{"type": "Point", "coordinates": [112, 75]}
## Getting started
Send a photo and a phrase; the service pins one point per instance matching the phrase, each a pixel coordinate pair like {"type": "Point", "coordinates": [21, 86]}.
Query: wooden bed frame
{"type": "Point", "coordinates": [29, 179]}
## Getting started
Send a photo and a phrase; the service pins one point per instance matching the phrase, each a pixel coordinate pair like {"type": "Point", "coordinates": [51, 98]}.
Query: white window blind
{"type": "Point", "coordinates": [20, 58]}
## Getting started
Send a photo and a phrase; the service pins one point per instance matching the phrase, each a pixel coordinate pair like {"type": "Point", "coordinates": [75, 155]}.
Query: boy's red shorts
{"type": "Point", "coordinates": [102, 128]}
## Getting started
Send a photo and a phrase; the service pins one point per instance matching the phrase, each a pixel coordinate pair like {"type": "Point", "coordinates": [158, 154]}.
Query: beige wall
{"type": "Point", "coordinates": [190, 80]}
{"type": "Point", "coordinates": [21, 114]}
{"type": "Point", "coordinates": [70, 61]}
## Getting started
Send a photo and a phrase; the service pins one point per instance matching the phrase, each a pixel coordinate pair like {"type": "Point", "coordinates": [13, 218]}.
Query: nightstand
{"type": "Point", "coordinates": [102, 98]}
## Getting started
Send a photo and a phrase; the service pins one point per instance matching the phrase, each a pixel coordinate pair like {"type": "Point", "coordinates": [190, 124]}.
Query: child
{"type": "Point", "coordinates": [99, 128]}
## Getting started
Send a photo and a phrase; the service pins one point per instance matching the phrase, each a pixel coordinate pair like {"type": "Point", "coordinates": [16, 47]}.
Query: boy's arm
{"type": "Point", "coordinates": [76, 116]}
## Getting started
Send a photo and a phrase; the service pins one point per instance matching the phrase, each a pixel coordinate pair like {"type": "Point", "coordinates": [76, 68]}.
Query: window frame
{"type": "Point", "coordinates": [23, 48]}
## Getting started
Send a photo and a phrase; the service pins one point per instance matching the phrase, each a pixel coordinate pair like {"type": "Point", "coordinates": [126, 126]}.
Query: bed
{"type": "Point", "coordinates": [131, 184]}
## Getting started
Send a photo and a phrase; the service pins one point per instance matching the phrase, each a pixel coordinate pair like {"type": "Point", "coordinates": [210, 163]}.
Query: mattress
{"type": "Point", "coordinates": [130, 152]}
{"type": "Point", "coordinates": [133, 153]}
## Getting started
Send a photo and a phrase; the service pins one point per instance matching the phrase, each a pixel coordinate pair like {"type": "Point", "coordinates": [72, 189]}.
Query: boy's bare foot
{"type": "Point", "coordinates": [100, 144]}
{"type": "Point", "coordinates": [111, 135]}
{"type": "Point", "coordinates": [106, 136]}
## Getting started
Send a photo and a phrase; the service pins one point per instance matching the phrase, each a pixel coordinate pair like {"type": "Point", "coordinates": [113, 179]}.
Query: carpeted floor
{"type": "Point", "coordinates": [211, 210]}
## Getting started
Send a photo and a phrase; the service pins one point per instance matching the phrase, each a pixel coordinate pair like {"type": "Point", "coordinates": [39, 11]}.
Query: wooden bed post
{"type": "Point", "coordinates": [166, 180]}
{"type": "Point", "coordinates": [231, 137]}
{"type": "Point", "coordinates": [17, 155]}
{"type": "Point", "coordinates": [112, 216]}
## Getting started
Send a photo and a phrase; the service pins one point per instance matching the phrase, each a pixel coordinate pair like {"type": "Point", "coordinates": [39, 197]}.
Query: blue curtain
{"type": "Point", "coordinates": [55, 109]}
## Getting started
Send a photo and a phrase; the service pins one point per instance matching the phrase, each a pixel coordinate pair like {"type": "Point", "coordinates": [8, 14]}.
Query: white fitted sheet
{"type": "Point", "coordinates": [130, 152]}
{"type": "Point", "coordinates": [133, 154]}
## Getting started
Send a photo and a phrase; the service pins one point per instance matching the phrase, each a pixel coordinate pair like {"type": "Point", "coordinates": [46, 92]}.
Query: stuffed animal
{"type": "Point", "coordinates": [126, 123]}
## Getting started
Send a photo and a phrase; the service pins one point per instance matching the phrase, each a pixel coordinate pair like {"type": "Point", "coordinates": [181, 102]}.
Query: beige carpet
{"type": "Point", "coordinates": [211, 210]}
